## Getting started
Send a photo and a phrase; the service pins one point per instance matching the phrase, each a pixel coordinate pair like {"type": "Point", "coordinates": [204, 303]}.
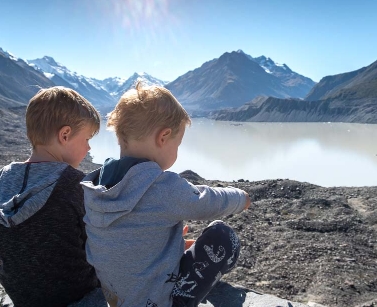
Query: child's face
{"type": "Point", "coordinates": [171, 149]}
{"type": "Point", "coordinates": [77, 146]}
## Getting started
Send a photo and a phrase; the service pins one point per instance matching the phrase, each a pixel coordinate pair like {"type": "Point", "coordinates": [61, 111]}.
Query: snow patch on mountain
{"type": "Point", "coordinates": [269, 65]}
{"type": "Point", "coordinates": [48, 75]}
{"type": "Point", "coordinates": [118, 86]}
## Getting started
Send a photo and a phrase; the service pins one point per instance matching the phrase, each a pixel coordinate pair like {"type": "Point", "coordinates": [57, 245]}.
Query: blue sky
{"type": "Point", "coordinates": [167, 38]}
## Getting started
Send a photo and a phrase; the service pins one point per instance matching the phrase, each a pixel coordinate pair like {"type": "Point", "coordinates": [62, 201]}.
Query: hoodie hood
{"type": "Point", "coordinates": [105, 204]}
{"type": "Point", "coordinates": [113, 170]}
{"type": "Point", "coordinates": [25, 188]}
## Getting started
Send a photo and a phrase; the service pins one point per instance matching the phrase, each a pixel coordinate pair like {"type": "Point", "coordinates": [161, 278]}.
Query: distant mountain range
{"type": "Point", "coordinates": [104, 94]}
{"type": "Point", "coordinates": [234, 86]}
{"type": "Point", "coordinates": [20, 80]}
{"type": "Point", "coordinates": [347, 97]}
{"type": "Point", "coordinates": [60, 75]}
{"type": "Point", "coordinates": [228, 81]}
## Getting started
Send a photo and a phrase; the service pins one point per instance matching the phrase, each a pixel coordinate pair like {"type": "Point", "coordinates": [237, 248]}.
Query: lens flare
{"type": "Point", "coordinates": [144, 28]}
{"type": "Point", "coordinates": [136, 15]}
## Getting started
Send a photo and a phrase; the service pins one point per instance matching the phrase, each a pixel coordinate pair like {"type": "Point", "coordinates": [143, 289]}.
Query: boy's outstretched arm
{"type": "Point", "coordinates": [189, 242]}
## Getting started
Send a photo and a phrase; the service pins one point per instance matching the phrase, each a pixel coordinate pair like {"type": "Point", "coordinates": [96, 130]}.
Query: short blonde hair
{"type": "Point", "coordinates": [53, 108]}
{"type": "Point", "coordinates": [142, 110]}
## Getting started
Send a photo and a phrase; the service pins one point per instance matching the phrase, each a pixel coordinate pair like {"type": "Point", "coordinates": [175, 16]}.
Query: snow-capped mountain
{"type": "Point", "coordinates": [270, 66]}
{"type": "Point", "coordinates": [90, 88]}
{"type": "Point", "coordinates": [297, 85]}
{"type": "Point", "coordinates": [117, 86]}
{"type": "Point", "coordinates": [18, 81]}
{"type": "Point", "coordinates": [104, 94]}
{"type": "Point", "coordinates": [7, 55]}
{"type": "Point", "coordinates": [234, 79]}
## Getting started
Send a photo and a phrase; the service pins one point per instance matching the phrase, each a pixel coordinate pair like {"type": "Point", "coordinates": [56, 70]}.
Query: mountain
{"type": "Point", "coordinates": [118, 86]}
{"type": "Point", "coordinates": [235, 78]}
{"type": "Point", "coordinates": [90, 88]}
{"type": "Point", "coordinates": [296, 85]}
{"type": "Point", "coordinates": [18, 81]}
{"type": "Point", "coordinates": [348, 97]}
{"type": "Point", "coordinates": [104, 94]}
{"type": "Point", "coordinates": [361, 83]}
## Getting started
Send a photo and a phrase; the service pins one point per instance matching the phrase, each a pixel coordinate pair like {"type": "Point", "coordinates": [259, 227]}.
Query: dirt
{"type": "Point", "coordinates": [304, 242]}
{"type": "Point", "coordinates": [300, 241]}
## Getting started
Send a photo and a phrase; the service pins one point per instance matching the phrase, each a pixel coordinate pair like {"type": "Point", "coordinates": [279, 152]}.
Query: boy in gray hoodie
{"type": "Point", "coordinates": [42, 234]}
{"type": "Point", "coordinates": [135, 211]}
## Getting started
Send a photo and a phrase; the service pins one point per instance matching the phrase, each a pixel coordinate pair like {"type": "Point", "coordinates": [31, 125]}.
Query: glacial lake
{"type": "Point", "coordinates": [326, 154]}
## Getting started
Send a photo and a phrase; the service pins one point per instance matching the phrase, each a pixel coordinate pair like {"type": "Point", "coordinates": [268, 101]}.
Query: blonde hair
{"type": "Point", "coordinates": [142, 110]}
{"type": "Point", "coordinates": [53, 108]}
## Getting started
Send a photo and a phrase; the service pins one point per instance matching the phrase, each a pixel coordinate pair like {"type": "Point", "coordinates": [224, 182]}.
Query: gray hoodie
{"type": "Point", "coordinates": [135, 229]}
{"type": "Point", "coordinates": [42, 235]}
{"type": "Point", "coordinates": [40, 182]}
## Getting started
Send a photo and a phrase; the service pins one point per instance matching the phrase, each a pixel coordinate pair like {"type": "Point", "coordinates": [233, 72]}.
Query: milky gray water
{"type": "Point", "coordinates": [327, 154]}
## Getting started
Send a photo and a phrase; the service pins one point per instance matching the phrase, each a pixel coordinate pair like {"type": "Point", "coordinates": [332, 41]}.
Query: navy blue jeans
{"type": "Point", "coordinates": [213, 254]}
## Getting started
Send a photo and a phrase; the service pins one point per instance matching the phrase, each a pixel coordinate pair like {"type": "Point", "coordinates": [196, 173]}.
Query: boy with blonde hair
{"type": "Point", "coordinates": [135, 211]}
{"type": "Point", "coordinates": [42, 234]}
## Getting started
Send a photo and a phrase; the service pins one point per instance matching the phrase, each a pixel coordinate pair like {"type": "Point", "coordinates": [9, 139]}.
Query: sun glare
{"type": "Point", "coordinates": [137, 15]}
{"type": "Point", "coordinates": [149, 22]}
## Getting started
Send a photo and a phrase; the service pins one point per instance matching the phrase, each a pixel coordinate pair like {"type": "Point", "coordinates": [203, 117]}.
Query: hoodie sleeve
{"type": "Point", "coordinates": [201, 202]}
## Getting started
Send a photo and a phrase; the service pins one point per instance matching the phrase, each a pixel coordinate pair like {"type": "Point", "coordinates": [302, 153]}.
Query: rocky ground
{"type": "Point", "coordinates": [305, 242]}
{"type": "Point", "coordinates": [300, 241]}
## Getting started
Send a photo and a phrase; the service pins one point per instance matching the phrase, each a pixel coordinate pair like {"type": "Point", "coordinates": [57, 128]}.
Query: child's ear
{"type": "Point", "coordinates": [64, 134]}
{"type": "Point", "coordinates": [163, 136]}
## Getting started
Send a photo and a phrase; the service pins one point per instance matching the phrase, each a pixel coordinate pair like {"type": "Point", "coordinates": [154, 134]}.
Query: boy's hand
{"type": "Point", "coordinates": [188, 242]}
{"type": "Point", "coordinates": [185, 230]}
{"type": "Point", "coordinates": [248, 201]}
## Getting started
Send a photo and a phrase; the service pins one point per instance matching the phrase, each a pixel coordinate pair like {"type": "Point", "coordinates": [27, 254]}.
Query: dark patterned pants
{"type": "Point", "coordinates": [214, 254]}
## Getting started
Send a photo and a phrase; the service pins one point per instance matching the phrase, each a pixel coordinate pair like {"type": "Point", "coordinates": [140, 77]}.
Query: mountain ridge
{"type": "Point", "coordinates": [232, 71]}
{"type": "Point", "coordinates": [18, 81]}
{"type": "Point", "coordinates": [221, 87]}
{"type": "Point", "coordinates": [104, 94]}
{"type": "Point", "coordinates": [331, 86]}
{"type": "Point", "coordinates": [347, 97]}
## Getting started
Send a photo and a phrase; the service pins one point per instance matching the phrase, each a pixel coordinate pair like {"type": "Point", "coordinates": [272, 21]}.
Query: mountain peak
{"type": "Point", "coordinates": [139, 74]}
{"type": "Point", "coordinates": [3, 52]}
{"type": "Point", "coordinates": [270, 66]}
{"type": "Point", "coordinates": [231, 56]}
{"type": "Point", "coordinates": [8, 55]}
{"type": "Point", "coordinates": [50, 60]}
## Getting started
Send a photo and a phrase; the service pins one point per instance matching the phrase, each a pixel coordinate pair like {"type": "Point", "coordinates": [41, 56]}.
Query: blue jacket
{"type": "Point", "coordinates": [135, 226]}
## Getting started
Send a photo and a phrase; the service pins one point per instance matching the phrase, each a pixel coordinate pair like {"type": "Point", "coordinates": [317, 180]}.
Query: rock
{"type": "Point", "coordinates": [312, 304]}
{"type": "Point", "coordinates": [225, 295]}
{"type": "Point", "coordinates": [306, 243]}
